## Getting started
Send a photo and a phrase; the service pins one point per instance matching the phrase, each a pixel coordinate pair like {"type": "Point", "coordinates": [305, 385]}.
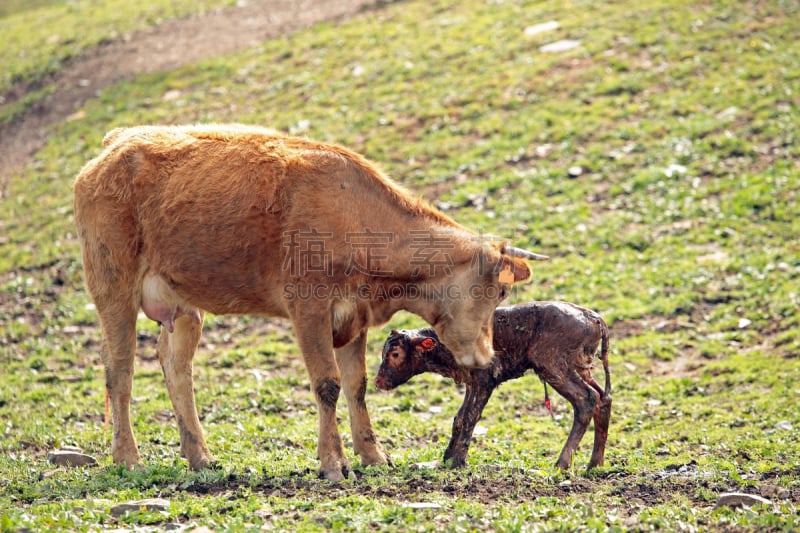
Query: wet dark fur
{"type": "Point", "coordinates": [557, 340]}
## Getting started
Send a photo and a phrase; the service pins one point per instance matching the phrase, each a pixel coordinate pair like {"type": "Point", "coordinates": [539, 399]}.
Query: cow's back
{"type": "Point", "coordinates": [206, 205]}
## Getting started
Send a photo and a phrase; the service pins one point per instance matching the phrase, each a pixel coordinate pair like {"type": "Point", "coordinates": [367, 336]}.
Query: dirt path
{"type": "Point", "coordinates": [164, 47]}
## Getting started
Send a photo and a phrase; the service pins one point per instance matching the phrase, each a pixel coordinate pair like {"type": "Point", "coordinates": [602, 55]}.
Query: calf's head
{"type": "Point", "coordinates": [473, 291]}
{"type": "Point", "coordinates": [405, 354]}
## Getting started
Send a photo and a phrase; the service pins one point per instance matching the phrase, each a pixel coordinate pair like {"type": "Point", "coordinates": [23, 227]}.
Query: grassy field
{"type": "Point", "coordinates": [678, 221]}
{"type": "Point", "coordinates": [38, 36]}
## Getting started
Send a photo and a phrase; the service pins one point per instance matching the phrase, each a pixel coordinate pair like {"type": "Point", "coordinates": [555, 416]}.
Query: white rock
{"type": "Point", "coordinates": [559, 46]}
{"type": "Point", "coordinates": [422, 505]}
{"type": "Point", "coordinates": [70, 458]}
{"type": "Point", "coordinates": [536, 29]}
{"type": "Point", "coordinates": [739, 499]}
{"type": "Point", "coordinates": [150, 504]}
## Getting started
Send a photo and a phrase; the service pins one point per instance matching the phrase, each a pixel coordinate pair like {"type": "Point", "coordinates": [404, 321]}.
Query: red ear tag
{"type": "Point", "coordinates": [428, 343]}
{"type": "Point", "coordinates": [506, 276]}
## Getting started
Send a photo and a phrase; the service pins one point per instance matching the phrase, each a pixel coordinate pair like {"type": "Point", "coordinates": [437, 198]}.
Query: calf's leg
{"type": "Point", "coordinates": [353, 368]}
{"type": "Point", "coordinates": [583, 399]}
{"type": "Point", "coordinates": [175, 352]}
{"type": "Point", "coordinates": [602, 418]}
{"type": "Point", "coordinates": [476, 396]}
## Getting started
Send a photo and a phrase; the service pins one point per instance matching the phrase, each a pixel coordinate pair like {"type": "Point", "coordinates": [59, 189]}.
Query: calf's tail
{"type": "Point", "coordinates": [604, 355]}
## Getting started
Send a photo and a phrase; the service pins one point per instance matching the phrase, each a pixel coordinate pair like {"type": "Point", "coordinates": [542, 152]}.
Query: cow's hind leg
{"type": "Point", "coordinates": [118, 322]}
{"type": "Point", "coordinates": [583, 399]}
{"type": "Point", "coordinates": [353, 369]}
{"type": "Point", "coordinates": [111, 277]}
{"type": "Point", "coordinates": [175, 352]}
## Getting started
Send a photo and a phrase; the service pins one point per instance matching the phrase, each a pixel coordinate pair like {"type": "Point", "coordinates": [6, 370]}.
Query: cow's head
{"type": "Point", "coordinates": [464, 322]}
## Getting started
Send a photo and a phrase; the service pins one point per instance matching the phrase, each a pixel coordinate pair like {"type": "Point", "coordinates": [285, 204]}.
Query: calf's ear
{"type": "Point", "coordinates": [423, 344]}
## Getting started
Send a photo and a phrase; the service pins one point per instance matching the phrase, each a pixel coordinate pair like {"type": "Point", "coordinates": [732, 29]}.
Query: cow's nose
{"type": "Point", "coordinates": [380, 382]}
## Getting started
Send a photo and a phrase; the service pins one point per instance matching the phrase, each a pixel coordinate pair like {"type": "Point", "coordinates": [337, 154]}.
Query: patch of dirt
{"type": "Point", "coordinates": [161, 48]}
{"type": "Point", "coordinates": [483, 484]}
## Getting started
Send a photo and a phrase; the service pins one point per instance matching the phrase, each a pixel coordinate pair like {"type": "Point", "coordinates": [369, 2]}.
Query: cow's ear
{"type": "Point", "coordinates": [424, 344]}
{"type": "Point", "coordinates": [514, 270]}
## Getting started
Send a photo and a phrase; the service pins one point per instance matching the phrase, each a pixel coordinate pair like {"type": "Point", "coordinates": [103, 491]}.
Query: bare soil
{"type": "Point", "coordinates": [161, 48]}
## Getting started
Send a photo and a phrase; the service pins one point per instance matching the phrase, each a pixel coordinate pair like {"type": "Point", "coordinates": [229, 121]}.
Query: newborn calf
{"type": "Point", "coordinates": [557, 340]}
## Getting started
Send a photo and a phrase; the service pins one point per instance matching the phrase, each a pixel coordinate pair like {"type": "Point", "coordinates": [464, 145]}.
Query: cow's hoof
{"type": "Point", "coordinates": [377, 457]}
{"type": "Point", "coordinates": [128, 460]}
{"type": "Point", "coordinates": [202, 462]}
{"type": "Point", "coordinates": [338, 473]}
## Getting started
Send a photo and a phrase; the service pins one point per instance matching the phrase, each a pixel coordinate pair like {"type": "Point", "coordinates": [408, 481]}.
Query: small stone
{"type": "Point", "coordinates": [560, 46]}
{"type": "Point", "coordinates": [739, 499]}
{"type": "Point", "coordinates": [744, 322]}
{"type": "Point", "coordinates": [70, 458]}
{"type": "Point", "coordinates": [774, 491]}
{"type": "Point", "coordinates": [784, 425]}
{"type": "Point", "coordinates": [536, 29]}
{"type": "Point", "coordinates": [149, 504]}
{"type": "Point", "coordinates": [575, 171]}
{"type": "Point", "coordinates": [425, 465]}
{"type": "Point", "coordinates": [172, 94]}
{"type": "Point", "coordinates": [674, 170]}
{"type": "Point", "coordinates": [422, 505]}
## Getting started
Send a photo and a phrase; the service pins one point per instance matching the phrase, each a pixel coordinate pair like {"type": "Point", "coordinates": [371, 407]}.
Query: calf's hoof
{"type": "Point", "coordinates": [594, 463]}
{"type": "Point", "coordinates": [455, 462]}
{"type": "Point", "coordinates": [563, 464]}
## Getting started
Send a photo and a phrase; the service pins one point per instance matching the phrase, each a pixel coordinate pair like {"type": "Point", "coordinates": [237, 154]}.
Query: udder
{"type": "Point", "coordinates": [162, 304]}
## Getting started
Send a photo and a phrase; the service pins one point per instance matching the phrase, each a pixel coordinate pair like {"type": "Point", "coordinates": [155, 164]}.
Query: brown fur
{"type": "Point", "coordinates": [180, 220]}
{"type": "Point", "coordinates": [556, 340]}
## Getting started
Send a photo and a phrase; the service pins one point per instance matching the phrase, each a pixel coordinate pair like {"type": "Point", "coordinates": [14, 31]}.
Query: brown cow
{"type": "Point", "coordinates": [179, 220]}
{"type": "Point", "coordinates": [557, 340]}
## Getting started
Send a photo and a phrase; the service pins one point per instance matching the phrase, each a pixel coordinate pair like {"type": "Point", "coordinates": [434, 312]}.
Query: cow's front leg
{"type": "Point", "coordinates": [316, 342]}
{"type": "Point", "coordinates": [175, 352]}
{"type": "Point", "coordinates": [353, 368]}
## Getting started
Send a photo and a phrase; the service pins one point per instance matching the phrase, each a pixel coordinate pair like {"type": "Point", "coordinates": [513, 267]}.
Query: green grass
{"type": "Point", "coordinates": [681, 230]}
{"type": "Point", "coordinates": [38, 37]}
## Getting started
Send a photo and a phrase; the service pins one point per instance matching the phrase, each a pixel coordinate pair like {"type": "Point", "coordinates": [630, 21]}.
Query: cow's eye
{"type": "Point", "coordinates": [395, 355]}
